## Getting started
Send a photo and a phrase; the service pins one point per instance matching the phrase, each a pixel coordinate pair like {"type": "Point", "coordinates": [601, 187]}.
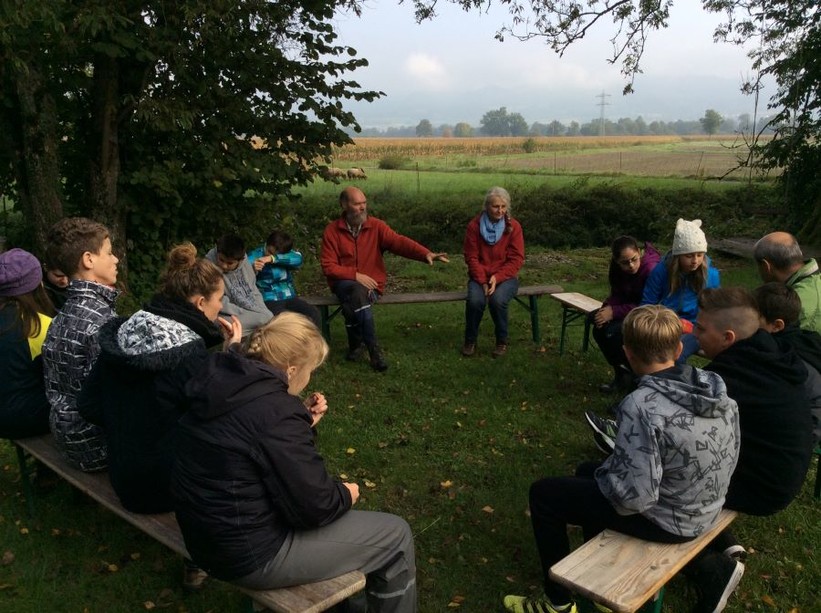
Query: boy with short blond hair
{"type": "Point", "coordinates": [675, 450]}
{"type": "Point", "coordinates": [81, 248]}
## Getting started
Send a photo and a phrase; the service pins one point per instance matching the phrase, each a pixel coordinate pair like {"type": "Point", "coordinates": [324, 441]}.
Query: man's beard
{"type": "Point", "coordinates": [356, 219]}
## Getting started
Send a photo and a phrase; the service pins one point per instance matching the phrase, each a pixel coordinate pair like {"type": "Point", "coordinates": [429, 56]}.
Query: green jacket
{"type": "Point", "coordinates": [807, 283]}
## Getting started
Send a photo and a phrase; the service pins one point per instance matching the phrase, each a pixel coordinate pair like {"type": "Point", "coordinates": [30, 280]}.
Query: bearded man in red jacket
{"type": "Point", "coordinates": [351, 260]}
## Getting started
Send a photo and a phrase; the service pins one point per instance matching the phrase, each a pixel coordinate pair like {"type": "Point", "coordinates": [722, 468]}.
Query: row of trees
{"type": "Point", "coordinates": [501, 123]}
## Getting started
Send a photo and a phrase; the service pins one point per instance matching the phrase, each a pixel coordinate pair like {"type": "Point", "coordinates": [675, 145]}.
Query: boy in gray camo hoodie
{"type": "Point", "coordinates": [675, 451]}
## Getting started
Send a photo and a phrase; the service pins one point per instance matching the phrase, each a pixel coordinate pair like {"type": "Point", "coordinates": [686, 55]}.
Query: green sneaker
{"type": "Point", "coordinates": [523, 604]}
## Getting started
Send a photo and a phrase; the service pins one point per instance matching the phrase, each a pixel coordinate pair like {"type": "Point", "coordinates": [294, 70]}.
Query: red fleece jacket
{"type": "Point", "coordinates": [504, 259]}
{"type": "Point", "coordinates": [343, 256]}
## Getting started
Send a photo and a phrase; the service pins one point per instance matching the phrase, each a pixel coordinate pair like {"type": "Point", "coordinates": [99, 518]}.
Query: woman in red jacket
{"type": "Point", "coordinates": [494, 253]}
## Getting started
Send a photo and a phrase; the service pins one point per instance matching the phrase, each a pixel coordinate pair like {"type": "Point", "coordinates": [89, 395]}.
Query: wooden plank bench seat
{"type": "Point", "coordinates": [623, 572]}
{"type": "Point", "coordinates": [531, 292]}
{"type": "Point", "coordinates": [163, 527]}
{"type": "Point", "coordinates": [574, 306]}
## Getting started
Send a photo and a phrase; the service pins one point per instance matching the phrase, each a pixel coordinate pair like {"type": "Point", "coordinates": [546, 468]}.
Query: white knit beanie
{"type": "Point", "coordinates": [689, 237]}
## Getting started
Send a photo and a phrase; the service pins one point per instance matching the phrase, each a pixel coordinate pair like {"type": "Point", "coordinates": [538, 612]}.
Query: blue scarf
{"type": "Point", "coordinates": [491, 231]}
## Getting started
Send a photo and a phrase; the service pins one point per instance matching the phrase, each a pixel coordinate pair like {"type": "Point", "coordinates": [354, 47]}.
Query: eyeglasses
{"type": "Point", "coordinates": [630, 262]}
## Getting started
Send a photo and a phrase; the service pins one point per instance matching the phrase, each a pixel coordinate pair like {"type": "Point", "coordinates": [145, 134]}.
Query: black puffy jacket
{"type": "Point", "coordinates": [247, 471]}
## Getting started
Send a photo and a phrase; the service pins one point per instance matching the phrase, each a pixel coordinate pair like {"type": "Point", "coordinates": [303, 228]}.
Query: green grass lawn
{"type": "Point", "coordinates": [451, 444]}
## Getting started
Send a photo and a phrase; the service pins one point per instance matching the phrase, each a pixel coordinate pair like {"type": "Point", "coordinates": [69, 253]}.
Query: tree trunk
{"type": "Point", "coordinates": [104, 160]}
{"type": "Point", "coordinates": [37, 165]}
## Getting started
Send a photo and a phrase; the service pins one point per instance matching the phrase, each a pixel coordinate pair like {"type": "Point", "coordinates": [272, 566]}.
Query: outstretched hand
{"type": "Point", "coordinates": [431, 257]}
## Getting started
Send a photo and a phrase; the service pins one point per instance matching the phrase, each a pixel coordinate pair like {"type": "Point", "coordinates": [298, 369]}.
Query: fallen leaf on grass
{"type": "Point", "coordinates": [370, 484]}
{"type": "Point", "coordinates": [350, 451]}
{"type": "Point", "coordinates": [112, 568]}
{"type": "Point", "coordinates": [488, 509]}
{"type": "Point", "coordinates": [5, 586]}
{"type": "Point", "coordinates": [149, 605]}
{"type": "Point", "coordinates": [446, 484]}
{"type": "Point", "coordinates": [767, 599]}
{"type": "Point", "coordinates": [381, 444]}
{"type": "Point", "coordinates": [8, 558]}
{"type": "Point", "coordinates": [24, 531]}
{"type": "Point", "coordinates": [456, 602]}
{"type": "Point", "coordinates": [135, 556]}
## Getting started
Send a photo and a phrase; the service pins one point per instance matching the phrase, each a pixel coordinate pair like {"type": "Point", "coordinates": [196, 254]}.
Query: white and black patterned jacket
{"type": "Point", "coordinates": [69, 352]}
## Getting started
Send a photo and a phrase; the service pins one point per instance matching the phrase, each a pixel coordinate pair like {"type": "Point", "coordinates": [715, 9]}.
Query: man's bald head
{"type": "Point", "coordinates": [778, 256]}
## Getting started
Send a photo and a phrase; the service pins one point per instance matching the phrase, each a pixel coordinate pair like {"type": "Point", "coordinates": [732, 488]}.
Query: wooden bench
{"type": "Point", "coordinates": [531, 292]}
{"type": "Point", "coordinates": [163, 527]}
{"type": "Point", "coordinates": [623, 572]}
{"type": "Point", "coordinates": [575, 305]}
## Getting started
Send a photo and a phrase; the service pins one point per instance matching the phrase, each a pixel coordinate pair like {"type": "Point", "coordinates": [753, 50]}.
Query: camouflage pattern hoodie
{"type": "Point", "coordinates": [675, 451]}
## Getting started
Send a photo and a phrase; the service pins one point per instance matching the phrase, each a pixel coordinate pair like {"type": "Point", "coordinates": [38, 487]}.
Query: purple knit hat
{"type": "Point", "coordinates": [20, 272]}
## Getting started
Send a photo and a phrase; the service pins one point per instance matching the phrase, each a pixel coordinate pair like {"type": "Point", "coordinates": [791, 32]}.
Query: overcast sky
{"type": "Point", "coordinates": [452, 69]}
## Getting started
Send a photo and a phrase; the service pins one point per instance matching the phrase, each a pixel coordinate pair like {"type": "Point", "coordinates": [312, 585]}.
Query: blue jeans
{"type": "Point", "coordinates": [356, 302]}
{"type": "Point", "coordinates": [497, 305]}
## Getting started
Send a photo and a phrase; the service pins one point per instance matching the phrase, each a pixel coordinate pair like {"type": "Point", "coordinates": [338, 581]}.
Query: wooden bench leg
{"type": "Point", "coordinates": [326, 322]}
{"type": "Point", "coordinates": [25, 478]}
{"type": "Point", "coordinates": [532, 307]}
{"type": "Point", "coordinates": [657, 601]}
{"type": "Point", "coordinates": [586, 339]}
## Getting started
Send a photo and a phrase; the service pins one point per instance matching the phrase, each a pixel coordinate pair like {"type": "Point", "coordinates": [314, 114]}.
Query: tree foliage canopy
{"type": "Point", "coordinates": [168, 120]}
{"type": "Point", "coordinates": [499, 122]}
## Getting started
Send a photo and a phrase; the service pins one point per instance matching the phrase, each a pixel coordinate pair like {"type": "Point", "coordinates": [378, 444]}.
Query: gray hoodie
{"type": "Point", "coordinates": [676, 449]}
{"type": "Point", "coordinates": [242, 298]}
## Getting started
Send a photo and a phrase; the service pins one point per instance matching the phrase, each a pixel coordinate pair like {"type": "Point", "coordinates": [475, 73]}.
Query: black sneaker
{"type": "Point", "coordinates": [718, 576]}
{"type": "Point", "coordinates": [604, 431]}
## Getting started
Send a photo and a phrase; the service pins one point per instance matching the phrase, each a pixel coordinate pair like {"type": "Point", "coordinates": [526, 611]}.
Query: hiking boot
{"type": "Point", "coordinates": [718, 576]}
{"type": "Point", "coordinates": [523, 604]}
{"type": "Point", "coordinates": [468, 349]}
{"type": "Point", "coordinates": [355, 353]}
{"type": "Point", "coordinates": [193, 578]}
{"type": "Point", "coordinates": [604, 431]}
{"type": "Point", "coordinates": [500, 350]}
{"type": "Point", "coordinates": [378, 362]}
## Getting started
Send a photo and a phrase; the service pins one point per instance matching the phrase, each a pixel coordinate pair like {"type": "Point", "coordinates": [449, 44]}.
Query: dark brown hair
{"type": "Point", "coordinates": [69, 239]}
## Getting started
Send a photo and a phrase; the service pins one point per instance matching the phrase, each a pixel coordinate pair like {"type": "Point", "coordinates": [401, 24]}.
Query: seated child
{"type": "Point", "coordinates": [24, 319]}
{"type": "Point", "coordinates": [82, 249]}
{"type": "Point", "coordinates": [679, 278]}
{"type": "Point", "coordinates": [56, 285]}
{"type": "Point", "coordinates": [253, 498]}
{"type": "Point", "coordinates": [675, 450]}
{"type": "Point", "coordinates": [780, 308]}
{"type": "Point", "coordinates": [136, 390]}
{"type": "Point", "coordinates": [274, 264]}
{"type": "Point", "coordinates": [242, 298]}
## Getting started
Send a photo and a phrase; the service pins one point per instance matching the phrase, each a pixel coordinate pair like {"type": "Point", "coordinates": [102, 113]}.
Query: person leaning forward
{"type": "Point", "coordinates": [351, 260]}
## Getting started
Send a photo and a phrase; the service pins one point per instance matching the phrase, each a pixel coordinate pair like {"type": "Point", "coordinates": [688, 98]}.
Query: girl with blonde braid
{"type": "Point", "coordinates": [254, 500]}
